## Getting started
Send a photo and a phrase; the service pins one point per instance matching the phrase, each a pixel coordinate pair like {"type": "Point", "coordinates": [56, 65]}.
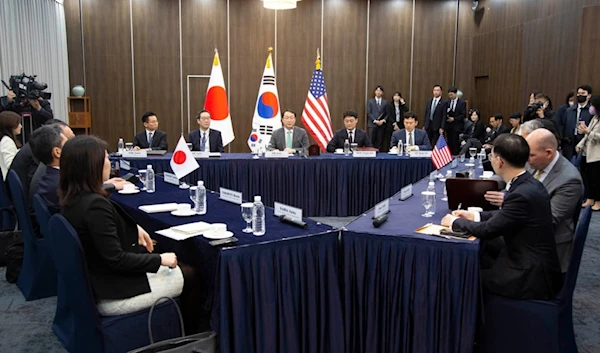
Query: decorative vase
{"type": "Point", "coordinates": [78, 91]}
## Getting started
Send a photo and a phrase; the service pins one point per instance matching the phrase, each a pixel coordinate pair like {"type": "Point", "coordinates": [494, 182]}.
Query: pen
{"type": "Point", "coordinates": [460, 204]}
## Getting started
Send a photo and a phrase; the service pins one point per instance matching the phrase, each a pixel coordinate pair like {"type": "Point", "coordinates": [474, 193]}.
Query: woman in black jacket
{"type": "Point", "coordinates": [394, 116]}
{"type": "Point", "coordinates": [125, 274]}
{"type": "Point", "coordinates": [474, 135]}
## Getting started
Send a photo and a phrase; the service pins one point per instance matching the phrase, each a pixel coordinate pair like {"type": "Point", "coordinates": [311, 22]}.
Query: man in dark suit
{"type": "Point", "coordinates": [575, 114]}
{"type": "Point", "coordinates": [205, 138]}
{"type": "Point", "coordinates": [415, 139]}
{"type": "Point", "coordinates": [376, 119]}
{"type": "Point", "coordinates": [563, 183]}
{"type": "Point", "coordinates": [455, 121]}
{"type": "Point", "coordinates": [350, 133]}
{"type": "Point", "coordinates": [151, 137]}
{"type": "Point", "coordinates": [527, 265]}
{"type": "Point", "coordinates": [288, 138]}
{"type": "Point", "coordinates": [496, 129]}
{"type": "Point", "coordinates": [435, 115]}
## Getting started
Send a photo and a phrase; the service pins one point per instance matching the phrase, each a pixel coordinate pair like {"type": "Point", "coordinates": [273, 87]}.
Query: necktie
{"type": "Point", "coordinates": [538, 174]}
{"type": "Point", "coordinates": [350, 137]}
{"type": "Point", "coordinates": [378, 101]}
{"type": "Point", "coordinates": [577, 122]}
{"type": "Point", "coordinates": [149, 140]}
{"type": "Point", "coordinates": [203, 142]}
{"type": "Point", "coordinates": [410, 139]}
{"type": "Point", "coordinates": [433, 106]}
{"type": "Point", "coordinates": [453, 105]}
{"type": "Point", "coordinates": [288, 139]}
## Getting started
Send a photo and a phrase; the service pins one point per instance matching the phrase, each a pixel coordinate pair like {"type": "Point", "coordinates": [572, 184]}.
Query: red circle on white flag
{"type": "Point", "coordinates": [179, 157]}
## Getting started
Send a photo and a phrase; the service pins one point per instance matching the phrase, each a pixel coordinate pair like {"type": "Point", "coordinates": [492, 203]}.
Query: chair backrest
{"type": "Point", "coordinates": [18, 199]}
{"type": "Point", "coordinates": [42, 213]}
{"type": "Point", "coordinates": [6, 220]}
{"type": "Point", "coordinates": [71, 265]}
{"type": "Point", "coordinates": [578, 243]}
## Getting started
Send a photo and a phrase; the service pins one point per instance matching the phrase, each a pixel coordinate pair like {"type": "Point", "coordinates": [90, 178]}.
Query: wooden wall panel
{"type": "Point", "coordinates": [74, 47]}
{"type": "Point", "coordinates": [156, 59]}
{"type": "Point", "coordinates": [344, 58]}
{"type": "Point", "coordinates": [464, 55]}
{"type": "Point", "coordinates": [550, 56]}
{"type": "Point", "coordinates": [390, 38]}
{"type": "Point", "coordinates": [589, 54]}
{"type": "Point", "coordinates": [204, 27]}
{"type": "Point", "coordinates": [252, 31]}
{"type": "Point", "coordinates": [108, 68]}
{"type": "Point", "coordinates": [298, 37]}
{"type": "Point", "coordinates": [435, 28]}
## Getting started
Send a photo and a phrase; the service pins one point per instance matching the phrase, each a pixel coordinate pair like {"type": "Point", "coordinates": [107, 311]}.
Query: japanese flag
{"type": "Point", "coordinates": [182, 162]}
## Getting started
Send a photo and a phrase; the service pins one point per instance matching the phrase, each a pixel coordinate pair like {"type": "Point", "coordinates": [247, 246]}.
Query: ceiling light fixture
{"type": "Point", "coordinates": [280, 4]}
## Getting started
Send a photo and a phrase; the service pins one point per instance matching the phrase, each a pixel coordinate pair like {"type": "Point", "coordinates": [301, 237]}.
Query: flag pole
{"type": "Point", "coordinates": [318, 61]}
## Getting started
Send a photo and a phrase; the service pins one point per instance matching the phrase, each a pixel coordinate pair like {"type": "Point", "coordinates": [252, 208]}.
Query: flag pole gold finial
{"type": "Point", "coordinates": [318, 61]}
{"type": "Point", "coordinates": [216, 50]}
{"type": "Point", "coordinates": [270, 50]}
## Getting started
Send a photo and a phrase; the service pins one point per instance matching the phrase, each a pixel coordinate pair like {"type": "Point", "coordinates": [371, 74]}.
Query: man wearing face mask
{"type": "Point", "coordinates": [574, 115]}
{"type": "Point", "coordinates": [561, 112]}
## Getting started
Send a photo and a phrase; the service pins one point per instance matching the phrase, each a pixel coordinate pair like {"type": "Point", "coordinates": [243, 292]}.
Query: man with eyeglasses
{"type": "Point", "coordinates": [205, 139]}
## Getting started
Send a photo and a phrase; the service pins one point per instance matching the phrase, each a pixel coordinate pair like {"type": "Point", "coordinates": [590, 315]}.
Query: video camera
{"type": "Point", "coordinates": [26, 87]}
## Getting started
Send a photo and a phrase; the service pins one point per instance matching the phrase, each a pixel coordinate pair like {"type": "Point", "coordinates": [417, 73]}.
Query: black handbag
{"type": "Point", "coordinates": [205, 342]}
{"type": "Point", "coordinates": [9, 238]}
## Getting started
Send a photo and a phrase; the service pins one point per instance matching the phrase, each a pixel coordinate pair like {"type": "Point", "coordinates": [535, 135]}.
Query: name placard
{"type": "Point", "coordinates": [276, 154]}
{"type": "Point", "coordinates": [454, 163]}
{"type": "Point", "coordinates": [420, 154]}
{"type": "Point", "coordinates": [382, 208]}
{"type": "Point", "coordinates": [123, 164]}
{"type": "Point", "coordinates": [364, 154]}
{"type": "Point", "coordinates": [199, 154]}
{"type": "Point", "coordinates": [171, 178]}
{"type": "Point", "coordinates": [231, 196]}
{"type": "Point", "coordinates": [286, 210]}
{"type": "Point", "coordinates": [406, 192]}
{"type": "Point", "coordinates": [214, 154]}
{"type": "Point", "coordinates": [135, 154]}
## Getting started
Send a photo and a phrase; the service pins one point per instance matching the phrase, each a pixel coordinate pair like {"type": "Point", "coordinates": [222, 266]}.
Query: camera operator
{"type": "Point", "coordinates": [40, 109]}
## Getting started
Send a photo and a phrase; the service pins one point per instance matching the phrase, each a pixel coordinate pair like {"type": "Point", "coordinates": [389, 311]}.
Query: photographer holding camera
{"type": "Point", "coordinates": [40, 108]}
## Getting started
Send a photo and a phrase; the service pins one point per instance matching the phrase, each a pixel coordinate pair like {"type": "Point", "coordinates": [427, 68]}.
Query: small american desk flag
{"type": "Point", "coordinates": [441, 153]}
{"type": "Point", "coordinates": [315, 115]}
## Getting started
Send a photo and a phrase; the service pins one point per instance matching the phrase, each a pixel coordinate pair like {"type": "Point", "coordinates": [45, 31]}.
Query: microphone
{"type": "Point", "coordinates": [380, 220]}
{"type": "Point", "coordinates": [292, 221]}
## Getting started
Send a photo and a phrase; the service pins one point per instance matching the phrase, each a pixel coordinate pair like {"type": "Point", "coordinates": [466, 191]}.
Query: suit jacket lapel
{"type": "Point", "coordinates": [553, 172]}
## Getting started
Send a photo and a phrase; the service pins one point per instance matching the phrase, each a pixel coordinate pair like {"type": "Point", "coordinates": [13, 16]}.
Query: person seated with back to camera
{"type": "Point", "coordinates": [151, 137]}
{"type": "Point", "coordinates": [415, 139]}
{"type": "Point", "coordinates": [125, 275]}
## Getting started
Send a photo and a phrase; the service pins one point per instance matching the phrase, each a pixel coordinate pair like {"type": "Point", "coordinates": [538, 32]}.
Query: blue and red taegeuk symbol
{"type": "Point", "coordinates": [253, 137]}
{"type": "Point", "coordinates": [268, 106]}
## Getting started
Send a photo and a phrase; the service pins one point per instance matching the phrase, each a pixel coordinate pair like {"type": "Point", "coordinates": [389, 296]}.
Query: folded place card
{"type": "Point", "coordinates": [286, 210]}
{"type": "Point", "coordinates": [230, 195]}
{"type": "Point", "coordinates": [364, 154]}
{"type": "Point", "coordinates": [163, 207]}
{"type": "Point", "coordinates": [171, 178]}
{"type": "Point", "coordinates": [382, 208]}
{"type": "Point", "coordinates": [192, 228]}
{"type": "Point", "coordinates": [135, 154]}
{"type": "Point", "coordinates": [198, 154]}
{"type": "Point", "coordinates": [420, 154]}
{"type": "Point", "coordinates": [406, 192]}
{"type": "Point", "coordinates": [214, 154]}
{"type": "Point", "coordinates": [276, 154]}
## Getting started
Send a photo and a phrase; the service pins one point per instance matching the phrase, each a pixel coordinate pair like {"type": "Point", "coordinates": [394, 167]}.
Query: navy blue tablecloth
{"type": "Point", "coordinates": [326, 185]}
{"type": "Point", "coordinates": [408, 292]}
{"type": "Point", "coordinates": [288, 271]}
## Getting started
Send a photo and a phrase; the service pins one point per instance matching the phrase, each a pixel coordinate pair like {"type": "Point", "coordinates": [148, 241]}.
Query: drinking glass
{"type": "Point", "coordinates": [472, 153]}
{"type": "Point", "coordinates": [445, 197]}
{"type": "Point", "coordinates": [143, 178]}
{"type": "Point", "coordinates": [247, 208]}
{"type": "Point", "coordinates": [194, 197]}
{"type": "Point", "coordinates": [353, 147]}
{"type": "Point", "coordinates": [129, 146]}
{"type": "Point", "coordinates": [428, 201]}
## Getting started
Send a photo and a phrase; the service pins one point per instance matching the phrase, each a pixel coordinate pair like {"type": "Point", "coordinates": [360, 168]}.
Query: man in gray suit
{"type": "Point", "coordinates": [289, 138]}
{"type": "Point", "coordinates": [376, 120]}
{"type": "Point", "coordinates": [563, 183]}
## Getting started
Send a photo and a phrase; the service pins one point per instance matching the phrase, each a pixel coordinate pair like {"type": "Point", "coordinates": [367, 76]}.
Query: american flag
{"type": "Point", "coordinates": [315, 115]}
{"type": "Point", "coordinates": [441, 153]}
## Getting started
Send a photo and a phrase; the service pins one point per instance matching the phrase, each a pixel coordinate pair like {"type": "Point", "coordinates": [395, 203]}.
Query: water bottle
{"type": "Point", "coordinates": [201, 198]}
{"type": "Point", "coordinates": [150, 182]}
{"type": "Point", "coordinates": [121, 145]}
{"type": "Point", "coordinates": [400, 145]}
{"type": "Point", "coordinates": [448, 174]}
{"type": "Point", "coordinates": [346, 148]}
{"type": "Point", "coordinates": [431, 186]}
{"type": "Point", "coordinates": [258, 217]}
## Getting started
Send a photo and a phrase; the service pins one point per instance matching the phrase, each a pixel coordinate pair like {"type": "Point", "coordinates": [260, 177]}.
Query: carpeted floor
{"type": "Point", "coordinates": [27, 326]}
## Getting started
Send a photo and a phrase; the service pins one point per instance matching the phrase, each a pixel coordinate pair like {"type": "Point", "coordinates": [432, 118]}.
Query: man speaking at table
{"type": "Point", "coordinates": [288, 138]}
{"type": "Point", "coordinates": [527, 265]}
{"type": "Point", "coordinates": [151, 137]}
{"type": "Point", "coordinates": [415, 139]}
{"type": "Point", "coordinates": [205, 138]}
{"type": "Point", "coordinates": [350, 133]}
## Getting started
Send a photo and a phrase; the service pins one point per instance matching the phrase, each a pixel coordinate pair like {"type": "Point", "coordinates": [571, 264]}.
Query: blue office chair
{"type": "Point", "coordinates": [41, 213]}
{"type": "Point", "coordinates": [535, 325]}
{"type": "Point", "coordinates": [38, 277]}
{"type": "Point", "coordinates": [77, 323]}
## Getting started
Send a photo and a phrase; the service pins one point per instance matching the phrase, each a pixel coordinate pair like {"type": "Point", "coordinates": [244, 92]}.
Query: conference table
{"type": "Point", "coordinates": [273, 293]}
{"type": "Point", "coordinates": [409, 292]}
{"type": "Point", "coordinates": [325, 185]}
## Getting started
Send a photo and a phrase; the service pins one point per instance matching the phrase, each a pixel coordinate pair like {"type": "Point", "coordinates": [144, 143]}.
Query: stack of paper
{"type": "Point", "coordinates": [164, 207]}
{"type": "Point", "coordinates": [192, 228]}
